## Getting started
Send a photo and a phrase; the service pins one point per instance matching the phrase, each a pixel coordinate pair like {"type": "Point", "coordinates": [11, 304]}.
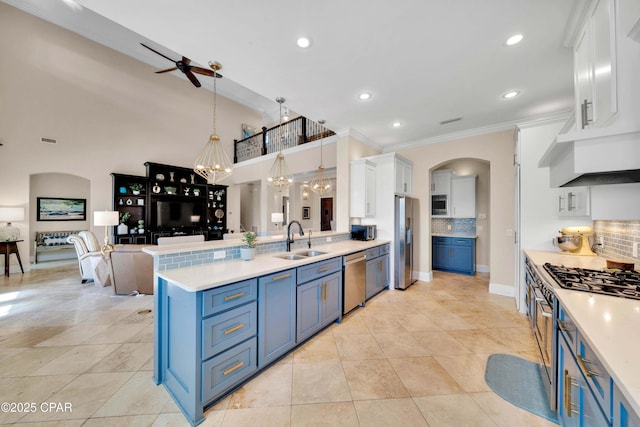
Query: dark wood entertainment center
{"type": "Point", "coordinates": [170, 201]}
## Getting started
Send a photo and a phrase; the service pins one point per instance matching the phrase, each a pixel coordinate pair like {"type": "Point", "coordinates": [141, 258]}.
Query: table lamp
{"type": "Point", "coordinates": [106, 219]}
{"type": "Point", "coordinates": [8, 215]}
{"type": "Point", "coordinates": [277, 218]}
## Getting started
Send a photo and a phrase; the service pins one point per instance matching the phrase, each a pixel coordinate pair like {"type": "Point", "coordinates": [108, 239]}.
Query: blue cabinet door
{"type": "Point", "coordinates": [569, 390]}
{"type": "Point", "coordinates": [462, 258]}
{"type": "Point", "coordinates": [383, 272]}
{"type": "Point", "coordinates": [332, 298]}
{"type": "Point", "coordinates": [309, 317]}
{"type": "Point", "coordinates": [277, 315]}
{"type": "Point", "coordinates": [371, 280]}
{"type": "Point", "coordinates": [441, 256]}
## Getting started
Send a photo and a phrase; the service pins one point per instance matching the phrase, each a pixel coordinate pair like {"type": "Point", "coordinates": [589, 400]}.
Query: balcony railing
{"type": "Point", "coordinates": [292, 133]}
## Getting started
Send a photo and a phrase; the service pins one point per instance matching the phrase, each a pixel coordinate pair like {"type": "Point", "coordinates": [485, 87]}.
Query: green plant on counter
{"type": "Point", "coordinates": [250, 239]}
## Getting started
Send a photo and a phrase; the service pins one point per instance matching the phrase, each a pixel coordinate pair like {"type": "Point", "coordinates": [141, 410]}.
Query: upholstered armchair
{"type": "Point", "coordinates": [93, 266]}
{"type": "Point", "coordinates": [132, 270]}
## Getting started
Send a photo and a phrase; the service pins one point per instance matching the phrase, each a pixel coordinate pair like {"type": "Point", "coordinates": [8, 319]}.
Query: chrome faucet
{"type": "Point", "coordinates": [289, 236]}
{"type": "Point", "coordinates": [309, 242]}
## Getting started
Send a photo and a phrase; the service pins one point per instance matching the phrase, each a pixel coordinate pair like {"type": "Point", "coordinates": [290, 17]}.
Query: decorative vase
{"type": "Point", "coordinates": [122, 228]}
{"type": "Point", "coordinates": [247, 254]}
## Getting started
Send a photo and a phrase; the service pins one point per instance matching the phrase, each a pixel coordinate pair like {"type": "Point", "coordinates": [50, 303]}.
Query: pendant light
{"type": "Point", "coordinates": [279, 177]}
{"type": "Point", "coordinates": [320, 183]}
{"type": "Point", "coordinates": [213, 164]}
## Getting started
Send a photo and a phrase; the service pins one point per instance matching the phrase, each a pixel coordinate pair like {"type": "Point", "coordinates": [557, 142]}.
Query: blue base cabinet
{"type": "Point", "coordinates": [377, 270]}
{"type": "Point", "coordinates": [319, 297]}
{"type": "Point", "coordinates": [277, 315]}
{"type": "Point", "coordinates": [454, 254]}
{"type": "Point", "coordinates": [623, 414]}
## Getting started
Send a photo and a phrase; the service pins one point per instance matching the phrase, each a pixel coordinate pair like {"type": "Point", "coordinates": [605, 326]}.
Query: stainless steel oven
{"type": "Point", "coordinates": [541, 307]}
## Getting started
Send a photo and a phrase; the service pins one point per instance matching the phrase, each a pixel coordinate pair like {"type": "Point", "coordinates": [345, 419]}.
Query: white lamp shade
{"type": "Point", "coordinates": [105, 218]}
{"type": "Point", "coordinates": [277, 217]}
{"type": "Point", "coordinates": [8, 214]}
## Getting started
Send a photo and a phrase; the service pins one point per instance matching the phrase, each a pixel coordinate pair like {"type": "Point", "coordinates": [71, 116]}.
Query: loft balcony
{"type": "Point", "coordinates": [298, 131]}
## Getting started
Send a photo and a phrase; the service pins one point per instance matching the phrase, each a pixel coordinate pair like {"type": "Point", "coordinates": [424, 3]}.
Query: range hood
{"type": "Point", "coordinates": [593, 157]}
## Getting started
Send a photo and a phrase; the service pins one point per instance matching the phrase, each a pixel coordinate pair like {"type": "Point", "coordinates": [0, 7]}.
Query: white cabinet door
{"type": "Point", "coordinates": [574, 201]}
{"type": "Point", "coordinates": [363, 188]}
{"type": "Point", "coordinates": [404, 172]}
{"type": "Point", "coordinates": [595, 67]}
{"type": "Point", "coordinates": [463, 196]}
{"type": "Point", "coordinates": [441, 182]}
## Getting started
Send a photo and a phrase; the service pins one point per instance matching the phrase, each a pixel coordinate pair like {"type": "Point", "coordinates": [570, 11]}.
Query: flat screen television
{"type": "Point", "coordinates": [176, 214]}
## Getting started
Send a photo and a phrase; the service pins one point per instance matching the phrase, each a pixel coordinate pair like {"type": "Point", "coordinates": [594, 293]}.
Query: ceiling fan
{"type": "Point", "coordinates": [188, 70]}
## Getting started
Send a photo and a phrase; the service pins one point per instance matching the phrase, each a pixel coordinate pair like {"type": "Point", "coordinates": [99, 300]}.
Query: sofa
{"type": "Point", "coordinates": [53, 245]}
{"type": "Point", "coordinates": [132, 270]}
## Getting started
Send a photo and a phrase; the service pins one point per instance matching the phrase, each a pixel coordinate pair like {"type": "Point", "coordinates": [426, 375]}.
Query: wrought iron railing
{"type": "Point", "coordinates": [290, 134]}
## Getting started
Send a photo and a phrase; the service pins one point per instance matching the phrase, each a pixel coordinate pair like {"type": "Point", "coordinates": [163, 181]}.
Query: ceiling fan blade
{"type": "Point", "coordinates": [167, 70]}
{"type": "Point", "coordinates": [192, 78]}
{"type": "Point", "coordinates": [205, 72]}
{"type": "Point", "coordinates": [185, 60]}
{"type": "Point", "coordinates": [155, 51]}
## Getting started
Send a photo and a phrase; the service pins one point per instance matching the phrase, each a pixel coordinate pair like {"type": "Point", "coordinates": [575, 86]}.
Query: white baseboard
{"type": "Point", "coordinates": [482, 268]}
{"type": "Point", "coordinates": [423, 276]}
{"type": "Point", "coordinates": [504, 290]}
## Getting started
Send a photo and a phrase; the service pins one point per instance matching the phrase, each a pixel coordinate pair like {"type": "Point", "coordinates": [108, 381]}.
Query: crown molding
{"type": "Point", "coordinates": [352, 133]}
{"type": "Point", "coordinates": [579, 9]}
{"type": "Point", "coordinates": [530, 122]}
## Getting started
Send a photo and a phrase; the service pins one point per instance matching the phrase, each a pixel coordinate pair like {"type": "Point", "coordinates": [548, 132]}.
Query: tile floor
{"type": "Point", "coordinates": [412, 358]}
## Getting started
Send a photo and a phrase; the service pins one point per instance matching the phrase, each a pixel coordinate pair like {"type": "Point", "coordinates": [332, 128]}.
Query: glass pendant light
{"type": "Point", "coordinates": [320, 183]}
{"type": "Point", "coordinates": [279, 177]}
{"type": "Point", "coordinates": [213, 164]}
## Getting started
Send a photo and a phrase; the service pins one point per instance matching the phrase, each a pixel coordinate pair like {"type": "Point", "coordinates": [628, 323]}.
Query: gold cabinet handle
{"type": "Point", "coordinates": [563, 327]}
{"type": "Point", "coordinates": [234, 296]}
{"type": "Point", "coordinates": [235, 328]}
{"type": "Point", "coordinates": [233, 368]}
{"type": "Point", "coordinates": [583, 366]}
{"type": "Point", "coordinates": [320, 270]}
{"type": "Point", "coordinates": [283, 276]}
{"type": "Point", "coordinates": [380, 266]}
{"type": "Point", "coordinates": [568, 384]}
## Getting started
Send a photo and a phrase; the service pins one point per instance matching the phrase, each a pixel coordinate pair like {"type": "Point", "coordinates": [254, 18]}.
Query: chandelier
{"type": "Point", "coordinates": [320, 183]}
{"type": "Point", "coordinates": [213, 164]}
{"type": "Point", "coordinates": [279, 177]}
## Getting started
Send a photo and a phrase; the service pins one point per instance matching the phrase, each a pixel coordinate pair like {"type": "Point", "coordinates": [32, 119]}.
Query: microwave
{"type": "Point", "coordinates": [439, 205]}
{"type": "Point", "coordinates": [363, 232]}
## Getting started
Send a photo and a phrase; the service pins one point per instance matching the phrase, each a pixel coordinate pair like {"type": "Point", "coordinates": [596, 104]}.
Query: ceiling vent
{"type": "Point", "coordinates": [48, 140]}
{"type": "Point", "coordinates": [446, 122]}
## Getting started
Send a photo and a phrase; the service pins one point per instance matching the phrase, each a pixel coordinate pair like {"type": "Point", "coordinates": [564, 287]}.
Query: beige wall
{"type": "Point", "coordinates": [108, 112]}
{"type": "Point", "coordinates": [497, 149]}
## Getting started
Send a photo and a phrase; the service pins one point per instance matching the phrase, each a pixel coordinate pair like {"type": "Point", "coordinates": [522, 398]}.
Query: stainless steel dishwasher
{"type": "Point", "coordinates": [355, 276]}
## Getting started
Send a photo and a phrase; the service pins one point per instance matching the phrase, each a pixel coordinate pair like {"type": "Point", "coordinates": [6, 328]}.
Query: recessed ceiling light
{"type": "Point", "coordinates": [365, 96]}
{"type": "Point", "coordinates": [514, 39]}
{"type": "Point", "coordinates": [304, 42]}
{"type": "Point", "coordinates": [511, 94]}
{"type": "Point", "coordinates": [396, 124]}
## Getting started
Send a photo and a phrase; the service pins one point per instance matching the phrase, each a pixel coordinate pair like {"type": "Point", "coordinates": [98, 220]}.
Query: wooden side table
{"type": "Point", "coordinates": [8, 248]}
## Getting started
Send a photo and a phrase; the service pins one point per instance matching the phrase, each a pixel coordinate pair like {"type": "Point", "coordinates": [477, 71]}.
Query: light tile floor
{"type": "Point", "coordinates": [409, 358]}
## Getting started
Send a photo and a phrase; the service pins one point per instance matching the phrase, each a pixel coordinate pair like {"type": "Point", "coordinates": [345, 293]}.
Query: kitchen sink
{"type": "Point", "coordinates": [310, 253]}
{"type": "Point", "coordinates": [291, 257]}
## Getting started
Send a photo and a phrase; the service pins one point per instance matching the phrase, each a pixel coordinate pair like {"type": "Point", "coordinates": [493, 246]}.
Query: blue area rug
{"type": "Point", "coordinates": [520, 382]}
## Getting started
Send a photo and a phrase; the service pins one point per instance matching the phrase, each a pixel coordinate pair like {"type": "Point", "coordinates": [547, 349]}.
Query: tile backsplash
{"type": "Point", "coordinates": [458, 225]}
{"type": "Point", "coordinates": [618, 237]}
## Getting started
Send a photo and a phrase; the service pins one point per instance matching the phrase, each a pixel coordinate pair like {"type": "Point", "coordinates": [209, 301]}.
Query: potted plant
{"type": "Point", "coordinates": [249, 252]}
{"type": "Point", "coordinates": [136, 188]}
{"type": "Point", "coordinates": [124, 217]}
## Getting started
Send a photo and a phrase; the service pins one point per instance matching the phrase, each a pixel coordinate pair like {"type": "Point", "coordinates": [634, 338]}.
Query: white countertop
{"type": "Point", "coordinates": [207, 276]}
{"type": "Point", "coordinates": [611, 325]}
{"type": "Point", "coordinates": [461, 235]}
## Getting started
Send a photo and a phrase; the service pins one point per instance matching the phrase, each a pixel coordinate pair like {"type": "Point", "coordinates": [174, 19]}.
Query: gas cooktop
{"type": "Point", "coordinates": [624, 284]}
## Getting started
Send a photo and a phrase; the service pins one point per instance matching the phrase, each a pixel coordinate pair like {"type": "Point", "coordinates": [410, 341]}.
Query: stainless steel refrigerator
{"type": "Point", "coordinates": [403, 242]}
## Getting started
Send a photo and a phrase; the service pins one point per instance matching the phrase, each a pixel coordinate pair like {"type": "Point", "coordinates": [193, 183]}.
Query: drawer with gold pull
{"type": "Point", "coordinates": [226, 370]}
{"type": "Point", "coordinates": [313, 271]}
{"type": "Point", "coordinates": [227, 329]}
{"type": "Point", "coordinates": [226, 297]}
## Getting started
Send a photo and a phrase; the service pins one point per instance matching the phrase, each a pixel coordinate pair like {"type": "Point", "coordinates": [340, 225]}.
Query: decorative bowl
{"type": "Point", "coordinates": [567, 243]}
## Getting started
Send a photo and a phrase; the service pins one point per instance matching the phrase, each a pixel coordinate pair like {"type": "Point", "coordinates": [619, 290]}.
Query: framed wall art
{"type": "Point", "coordinates": [306, 212]}
{"type": "Point", "coordinates": [61, 209]}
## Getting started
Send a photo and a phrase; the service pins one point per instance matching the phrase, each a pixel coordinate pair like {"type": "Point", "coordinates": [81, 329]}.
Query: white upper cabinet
{"type": "Point", "coordinates": [595, 66]}
{"type": "Point", "coordinates": [404, 177]}
{"type": "Point", "coordinates": [574, 201]}
{"type": "Point", "coordinates": [363, 188]}
{"type": "Point", "coordinates": [463, 196]}
{"type": "Point", "coordinates": [441, 182]}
